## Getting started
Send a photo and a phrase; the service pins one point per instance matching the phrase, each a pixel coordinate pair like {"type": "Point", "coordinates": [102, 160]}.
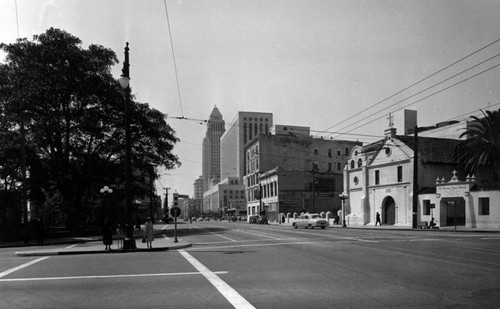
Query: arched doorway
{"type": "Point", "coordinates": [389, 211]}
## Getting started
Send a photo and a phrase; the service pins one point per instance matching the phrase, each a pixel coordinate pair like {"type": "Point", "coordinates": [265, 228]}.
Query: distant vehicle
{"type": "Point", "coordinates": [207, 219]}
{"type": "Point", "coordinates": [253, 219]}
{"type": "Point", "coordinates": [310, 221]}
{"type": "Point", "coordinates": [193, 218]}
{"type": "Point", "coordinates": [258, 219]}
{"type": "Point", "coordinates": [201, 219]}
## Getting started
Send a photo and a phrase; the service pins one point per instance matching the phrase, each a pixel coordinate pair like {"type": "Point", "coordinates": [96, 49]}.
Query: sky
{"type": "Point", "coordinates": [336, 66]}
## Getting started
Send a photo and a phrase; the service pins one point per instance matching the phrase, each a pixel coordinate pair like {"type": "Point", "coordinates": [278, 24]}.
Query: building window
{"type": "Point", "coordinates": [329, 166]}
{"type": "Point", "coordinates": [360, 162]}
{"type": "Point", "coordinates": [339, 166]}
{"type": "Point", "coordinates": [427, 207]}
{"type": "Point", "coordinates": [377, 177]}
{"type": "Point", "coordinates": [484, 206]}
{"type": "Point", "coordinates": [356, 180]}
{"type": "Point", "coordinates": [316, 151]}
{"type": "Point", "coordinates": [400, 174]}
{"type": "Point", "coordinates": [352, 164]}
{"type": "Point", "coordinates": [338, 152]}
{"type": "Point", "coordinates": [329, 153]}
{"type": "Point", "coordinates": [347, 151]}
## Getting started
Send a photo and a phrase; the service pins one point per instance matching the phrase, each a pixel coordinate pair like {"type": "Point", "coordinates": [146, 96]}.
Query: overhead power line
{"type": "Point", "coordinates": [426, 97]}
{"type": "Point", "coordinates": [414, 84]}
{"type": "Point", "coordinates": [173, 57]}
{"type": "Point", "coordinates": [424, 90]}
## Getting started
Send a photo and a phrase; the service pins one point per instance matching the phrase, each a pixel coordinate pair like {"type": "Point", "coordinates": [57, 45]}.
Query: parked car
{"type": "Point", "coordinates": [310, 221]}
{"type": "Point", "coordinates": [201, 219]}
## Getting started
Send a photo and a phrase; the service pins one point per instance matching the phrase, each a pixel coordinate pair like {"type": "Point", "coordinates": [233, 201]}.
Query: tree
{"type": "Point", "coordinates": [73, 110]}
{"type": "Point", "coordinates": [480, 152]}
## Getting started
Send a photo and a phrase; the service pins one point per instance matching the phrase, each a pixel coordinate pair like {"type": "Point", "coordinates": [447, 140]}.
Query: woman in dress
{"type": "Point", "coordinates": [149, 234]}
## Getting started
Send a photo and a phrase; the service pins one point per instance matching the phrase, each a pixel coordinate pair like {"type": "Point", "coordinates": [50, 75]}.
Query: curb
{"type": "Point", "coordinates": [80, 252]}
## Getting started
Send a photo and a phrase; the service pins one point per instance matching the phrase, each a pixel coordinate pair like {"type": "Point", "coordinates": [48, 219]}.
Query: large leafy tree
{"type": "Point", "coordinates": [480, 151]}
{"type": "Point", "coordinates": [72, 107]}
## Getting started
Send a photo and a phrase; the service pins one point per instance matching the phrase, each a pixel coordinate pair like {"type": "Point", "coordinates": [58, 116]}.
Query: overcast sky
{"type": "Point", "coordinates": [311, 63]}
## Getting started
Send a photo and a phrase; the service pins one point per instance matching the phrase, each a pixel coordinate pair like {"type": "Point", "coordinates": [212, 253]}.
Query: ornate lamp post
{"type": "Point", "coordinates": [105, 191]}
{"type": "Point", "coordinates": [129, 242]}
{"type": "Point", "coordinates": [343, 196]}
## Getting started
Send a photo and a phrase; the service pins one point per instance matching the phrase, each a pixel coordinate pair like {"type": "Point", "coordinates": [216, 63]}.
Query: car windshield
{"type": "Point", "coordinates": [315, 217]}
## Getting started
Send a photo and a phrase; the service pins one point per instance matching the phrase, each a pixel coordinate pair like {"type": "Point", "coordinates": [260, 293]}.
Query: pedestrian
{"type": "Point", "coordinates": [107, 235]}
{"type": "Point", "coordinates": [378, 220]}
{"type": "Point", "coordinates": [40, 230]}
{"type": "Point", "coordinates": [149, 234]}
{"type": "Point", "coordinates": [432, 224]}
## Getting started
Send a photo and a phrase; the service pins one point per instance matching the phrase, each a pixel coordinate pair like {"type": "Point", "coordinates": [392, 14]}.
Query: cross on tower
{"type": "Point", "coordinates": [391, 120]}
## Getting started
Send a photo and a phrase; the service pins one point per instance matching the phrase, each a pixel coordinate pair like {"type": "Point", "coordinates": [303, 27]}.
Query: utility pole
{"type": "Point", "coordinates": [415, 178]}
{"type": "Point", "coordinates": [165, 205]}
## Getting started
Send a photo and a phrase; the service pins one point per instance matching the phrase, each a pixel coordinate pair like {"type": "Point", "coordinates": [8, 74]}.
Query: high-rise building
{"type": "Point", "coordinates": [211, 149]}
{"type": "Point", "coordinates": [244, 128]}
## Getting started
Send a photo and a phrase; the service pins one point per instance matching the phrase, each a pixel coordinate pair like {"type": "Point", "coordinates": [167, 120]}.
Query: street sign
{"type": "Point", "coordinates": [175, 212]}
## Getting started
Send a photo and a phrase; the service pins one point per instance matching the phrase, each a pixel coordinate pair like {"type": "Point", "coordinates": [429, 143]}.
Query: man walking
{"type": "Point", "coordinates": [378, 220]}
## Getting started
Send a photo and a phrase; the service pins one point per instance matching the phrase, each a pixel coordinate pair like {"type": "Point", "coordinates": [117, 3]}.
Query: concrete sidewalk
{"type": "Point", "coordinates": [160, 243]}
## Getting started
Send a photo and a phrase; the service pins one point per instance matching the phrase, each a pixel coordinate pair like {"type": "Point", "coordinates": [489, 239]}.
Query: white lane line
{"type": "Point", "coordinates": [225, 237]}
{"type": "Point", "coordinates": [254, 245]}
{"type": "Point", "coordinates": [225, 289]}
{"type": "Point", "coordinates": [72, 246]}
{"type": "Point", "coordinates": [10, 271]}
{"type": "Point", "coordinates": [105, 276]}
{"type": "Point", "coordinates": [261, 235]}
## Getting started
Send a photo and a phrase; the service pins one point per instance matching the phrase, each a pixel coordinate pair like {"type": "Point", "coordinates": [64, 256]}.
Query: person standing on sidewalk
{"type": "Point", "coordinates": [149, 234]}
{"type": "Point", "coordinates": [107, 235]}
{"type": "Point", "coordinates": [378, 220]}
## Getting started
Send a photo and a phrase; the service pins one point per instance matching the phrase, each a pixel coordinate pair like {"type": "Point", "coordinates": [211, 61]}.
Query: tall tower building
{"type": "Point", "coordinates": [211, 149]}
{"type": "Point", "coordinates": [244, 127]}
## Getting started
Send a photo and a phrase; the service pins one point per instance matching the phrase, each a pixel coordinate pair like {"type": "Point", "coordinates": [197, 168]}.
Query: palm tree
{"type": "Point", "coordinates": [480, 151]}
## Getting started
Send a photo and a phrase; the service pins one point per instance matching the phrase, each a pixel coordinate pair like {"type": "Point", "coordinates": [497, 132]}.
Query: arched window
{"type": "Point", "coordinates": [360, 162]}
{"type": "Point", "coordinates": [352, 164]}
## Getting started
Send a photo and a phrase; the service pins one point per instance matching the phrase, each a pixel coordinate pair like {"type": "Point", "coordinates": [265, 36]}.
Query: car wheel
{"type": "Point", "coordinates": [294, 226]}
{"type": "Point", "coordinates": [323, 227]}
{"type": "Point", "coordinates": [311, 227]}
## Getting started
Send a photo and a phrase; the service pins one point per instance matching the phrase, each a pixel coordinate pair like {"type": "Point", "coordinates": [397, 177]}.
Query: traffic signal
{"type": "Point", "coordinates": [176, 200]}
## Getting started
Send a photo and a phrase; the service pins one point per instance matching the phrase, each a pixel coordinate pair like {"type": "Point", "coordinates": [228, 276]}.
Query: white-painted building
{"type": "Point", "coordinates": [379, 178]}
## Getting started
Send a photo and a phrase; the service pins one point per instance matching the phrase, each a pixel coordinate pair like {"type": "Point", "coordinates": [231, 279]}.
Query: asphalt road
{"type": "Point", "coordinates": [238, 265]}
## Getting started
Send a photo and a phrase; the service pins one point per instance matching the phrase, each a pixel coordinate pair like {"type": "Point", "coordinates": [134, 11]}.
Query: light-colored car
{"type": "Point", "coordinates": [310, 221]}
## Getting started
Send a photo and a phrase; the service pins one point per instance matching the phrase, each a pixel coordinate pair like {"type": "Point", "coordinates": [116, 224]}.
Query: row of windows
{"type": "Point", "coordinates": [330, 166]}
{"type": "Point", "coordinates": [339, 153]}
{"type": "Point", "coordinates": [250, 119]}
{"type": "Point", "coordinates": [399, 175]}
{"type": "Point", "coordinates": [266, 190]}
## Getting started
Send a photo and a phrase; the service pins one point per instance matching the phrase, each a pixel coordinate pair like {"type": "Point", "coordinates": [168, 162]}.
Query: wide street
{"type": "Point", "coordinates": [244, 265]}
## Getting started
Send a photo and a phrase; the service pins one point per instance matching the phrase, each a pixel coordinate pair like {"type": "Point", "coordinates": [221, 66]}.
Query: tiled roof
{"type": "Point", "coordinates": [434, 150]}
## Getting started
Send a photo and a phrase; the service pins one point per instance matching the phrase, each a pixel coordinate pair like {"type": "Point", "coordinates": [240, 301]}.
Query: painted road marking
{"type": "Point", "coordinates": [261, 235]}
{"type": "Point", "coordinates": [222, 236]}
{"type": "Point", "coordinates": [225, 289]}
{"type": "Point", "coordinates": [255, 245]}
{"type": "Point", "coordinates": [106, 276]}
{"type": "Point", "coordinates": [10, 271]}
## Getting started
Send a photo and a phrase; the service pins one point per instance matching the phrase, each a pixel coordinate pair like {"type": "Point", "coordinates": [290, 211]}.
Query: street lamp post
{"type": "Point", "coordinates": [105, 191]}
{"type": "Point", "coordinates": [129, 241]}
{"type": "Point", "coordinates": [343, 196]}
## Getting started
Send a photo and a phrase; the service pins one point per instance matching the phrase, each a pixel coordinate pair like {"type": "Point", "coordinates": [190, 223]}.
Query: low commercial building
{"type": "Point", "coordinates": [223, 196]}
{"type": "Point", "coordinates": [293, 172]}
